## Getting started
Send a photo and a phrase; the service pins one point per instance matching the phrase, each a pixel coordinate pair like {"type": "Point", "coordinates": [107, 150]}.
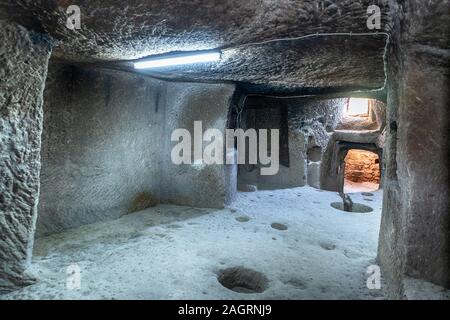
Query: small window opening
{"type": "Point", "coordinates": [357, 107]}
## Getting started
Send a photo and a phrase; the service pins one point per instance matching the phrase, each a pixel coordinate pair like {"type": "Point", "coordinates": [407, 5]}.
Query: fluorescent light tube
{"type": "Point", "coordinates": [205, 56]}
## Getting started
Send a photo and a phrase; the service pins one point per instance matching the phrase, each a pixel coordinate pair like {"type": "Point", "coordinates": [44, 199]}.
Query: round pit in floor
{"type": "Point", "coordinates": [243, 219]}
{"type": "Point", "coordinates": [243, 280]}
{"type": "Point", "coordinates": [279, 226]}
{"type": "Point", "coordinates": [357, 207]}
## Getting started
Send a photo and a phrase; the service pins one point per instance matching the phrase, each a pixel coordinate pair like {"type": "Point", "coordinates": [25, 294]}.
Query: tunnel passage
{"type": "Point", "coordinates": [361, 171]}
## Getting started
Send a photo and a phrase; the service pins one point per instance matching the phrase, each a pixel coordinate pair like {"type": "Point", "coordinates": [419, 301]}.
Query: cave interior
{"type": "Point", "coordinates": [88, 182]}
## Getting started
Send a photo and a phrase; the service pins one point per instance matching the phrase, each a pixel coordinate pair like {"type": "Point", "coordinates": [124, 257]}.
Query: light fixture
{"type": "Point", "coordinates": [179, 59]}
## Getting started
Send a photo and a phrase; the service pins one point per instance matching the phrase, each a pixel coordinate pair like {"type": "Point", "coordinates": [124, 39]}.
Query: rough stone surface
{"type": "Point", "coordinates": [101, 146]}
{"type": "Point", "coordinates": [308, 123]}
{"type": "Point", "coordinates": [23, 69]}
{"type": "Point", "coordinates": [416, 289]}
{"type": "Point", "coordinates": [301, 64]}
{"type": "Point", "coordinates": [106, 146]}
{"type": "Point", "coordinates": [308, 114]}
{"type": "Point", "coordinates": [318, 120]}
{"type": "Point", "coordinates": [424, 133]}
{"type": "Point", "coordinates": [314, 174]}
{"type": "Point", "coordinates": [114, 30]}
{"type": "Point", "coordinates": [262, 113]}
{"type": "Point", "coordinates": [314, 120]}
{"type": "Point", "coordinates": [197, 184]}
{"type": "Point", "coordinates": [414, 240]}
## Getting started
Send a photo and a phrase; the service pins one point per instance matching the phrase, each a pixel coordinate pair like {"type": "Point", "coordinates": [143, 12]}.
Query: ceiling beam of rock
{"type": "Point", "coordinates": [115, 31]}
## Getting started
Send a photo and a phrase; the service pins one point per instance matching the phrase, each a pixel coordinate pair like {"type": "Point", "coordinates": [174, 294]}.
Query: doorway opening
{"type": "Point", "coordinates": [362, 171]}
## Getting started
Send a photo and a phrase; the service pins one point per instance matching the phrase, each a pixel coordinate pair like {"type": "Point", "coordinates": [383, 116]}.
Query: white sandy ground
{"type": "Point", "coordinates": [172, 252]}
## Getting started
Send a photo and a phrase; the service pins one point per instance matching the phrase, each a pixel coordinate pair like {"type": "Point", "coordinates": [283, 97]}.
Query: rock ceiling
{"type": "Point", "coordinates": [116, 31]}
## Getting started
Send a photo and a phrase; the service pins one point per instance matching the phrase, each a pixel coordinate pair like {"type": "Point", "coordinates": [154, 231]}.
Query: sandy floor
{"type": "Point", "coordinates": [353, 187]}
{"type": "Point", "coordinates": [172, 252]}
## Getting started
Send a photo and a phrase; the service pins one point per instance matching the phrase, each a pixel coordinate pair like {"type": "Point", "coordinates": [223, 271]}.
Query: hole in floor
{"type": "Point", "coordinates": [327, 246]}
{"type": "Point", "coordinates": [243, 219]}
{"type": "Point", "coordinates": [279, 226]}
{"type": "Point", "coordinates": [243, 280]}
{"type": "Point", "coordinates": [356, 207]}
{"type": "Point", "coordinates": [297, 283]}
